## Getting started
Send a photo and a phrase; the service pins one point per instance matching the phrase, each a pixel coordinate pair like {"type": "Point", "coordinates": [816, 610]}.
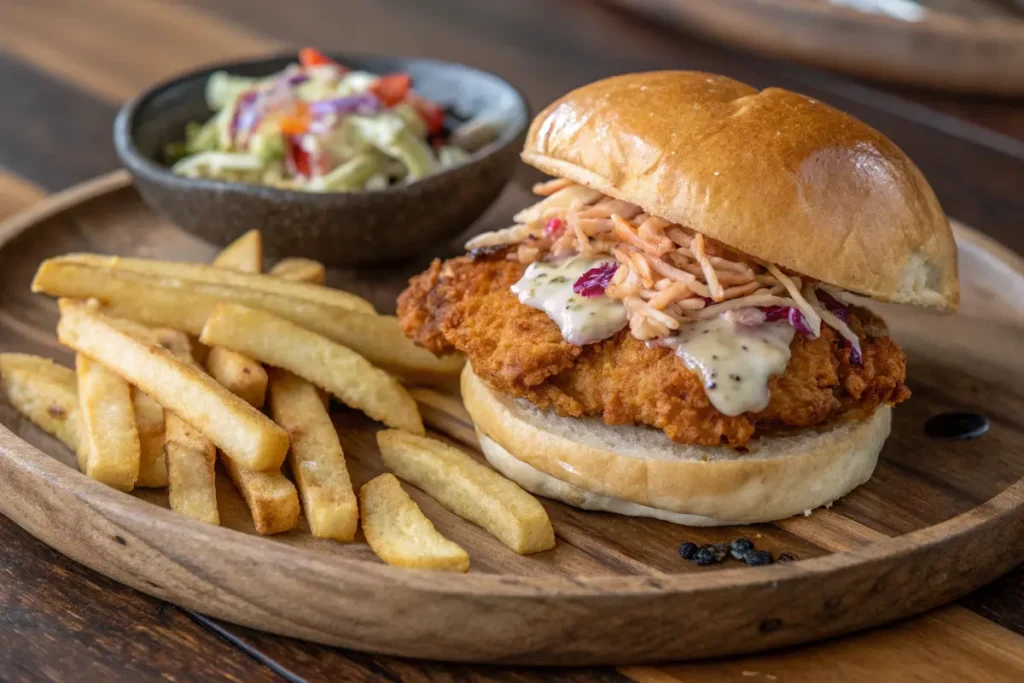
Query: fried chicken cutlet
{"type": "Point", "coordinates": [465, 304]}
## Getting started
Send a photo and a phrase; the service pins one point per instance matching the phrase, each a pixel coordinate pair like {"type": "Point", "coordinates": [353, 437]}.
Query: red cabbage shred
{"type": "Point", "coordinates": [794, 316]}
{"type": "Point", "coordinates": [593, 282]}
{"type": "Point", "coordinates": [838, 309]}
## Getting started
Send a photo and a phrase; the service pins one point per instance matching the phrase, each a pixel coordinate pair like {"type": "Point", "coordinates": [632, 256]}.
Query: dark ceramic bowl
{"type": "Point", "coordinates": [336, 228]}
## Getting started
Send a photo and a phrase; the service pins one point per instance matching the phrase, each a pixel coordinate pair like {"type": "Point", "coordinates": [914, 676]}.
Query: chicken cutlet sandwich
{"type": "Point", "coordinates": [669, 331]}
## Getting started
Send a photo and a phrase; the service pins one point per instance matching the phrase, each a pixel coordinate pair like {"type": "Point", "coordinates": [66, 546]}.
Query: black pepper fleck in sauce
{"type": "Point", "coordinates": [956, 425]}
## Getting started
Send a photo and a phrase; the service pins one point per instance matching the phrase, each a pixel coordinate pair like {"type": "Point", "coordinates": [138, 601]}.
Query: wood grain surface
{"type": "Point", "coordinates": [103, 51]}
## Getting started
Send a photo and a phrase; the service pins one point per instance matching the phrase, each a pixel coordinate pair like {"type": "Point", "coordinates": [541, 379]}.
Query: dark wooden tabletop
{"type": "Point", "coordinates": [65, 67]}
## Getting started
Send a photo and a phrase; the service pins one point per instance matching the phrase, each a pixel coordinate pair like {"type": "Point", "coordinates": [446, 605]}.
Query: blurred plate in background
{"type": "Point", "coordinates": [968, 46]}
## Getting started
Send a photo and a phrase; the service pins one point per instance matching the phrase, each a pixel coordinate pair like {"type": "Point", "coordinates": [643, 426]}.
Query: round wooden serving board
{"type": "Point", "coordinates": [938, 519]}
{"type": "Point", "coordinates": [971, 46]}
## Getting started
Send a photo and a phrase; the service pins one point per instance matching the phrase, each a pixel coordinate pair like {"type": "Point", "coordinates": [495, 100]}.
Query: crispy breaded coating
{"type": "Point", "coordinates": [465, 304]}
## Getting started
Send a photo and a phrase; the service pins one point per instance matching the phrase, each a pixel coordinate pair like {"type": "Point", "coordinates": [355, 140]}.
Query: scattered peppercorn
{"type": "Point", "coordinates": [756, 558]}
{"type": "Point", "coordinates": [740, 547]}
{"type": "Point", "coordinates": [705, 555]}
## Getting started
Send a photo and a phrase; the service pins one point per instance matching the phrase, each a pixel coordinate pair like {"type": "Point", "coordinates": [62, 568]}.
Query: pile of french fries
{"type": "Point", "coordinates": [179, 365]}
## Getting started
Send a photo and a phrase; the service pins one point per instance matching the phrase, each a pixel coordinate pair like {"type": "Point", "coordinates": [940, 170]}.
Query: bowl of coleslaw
{"type": "Point", "coordinates": [348, 159]}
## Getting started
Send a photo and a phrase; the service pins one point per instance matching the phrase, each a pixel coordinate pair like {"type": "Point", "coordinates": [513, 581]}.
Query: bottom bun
{"type": "Point", "coordinates": [639, 471]}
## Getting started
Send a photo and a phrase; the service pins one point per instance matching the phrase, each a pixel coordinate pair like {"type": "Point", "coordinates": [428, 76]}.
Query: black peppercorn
{"type": "Point", "coordinates": [740, 547]}
{"type": "Point", "coordinates": [757, 557]}
{"type": "Point", "coordinates": [686, 550]}
{"type": "Point", "coordinates": [705, 555]}
{"type": "Point", "coordinates": [786, 557]}
{"type": "Point", "coordinates": [721, 551]}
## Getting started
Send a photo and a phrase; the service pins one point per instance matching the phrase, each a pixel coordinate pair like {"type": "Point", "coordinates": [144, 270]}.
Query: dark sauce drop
{"type": "Point", "coordinates": [956, 425]}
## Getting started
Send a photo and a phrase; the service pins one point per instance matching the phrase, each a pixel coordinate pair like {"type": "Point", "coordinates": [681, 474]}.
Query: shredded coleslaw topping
{"type": "Point", "coordinates": [667, 275]}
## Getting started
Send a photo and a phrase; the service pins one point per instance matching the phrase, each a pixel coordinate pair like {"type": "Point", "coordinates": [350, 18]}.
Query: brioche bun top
{"type": "Point", "coordinates": [777, 175]}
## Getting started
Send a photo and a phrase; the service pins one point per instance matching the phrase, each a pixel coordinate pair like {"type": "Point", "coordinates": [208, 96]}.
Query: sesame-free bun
{"type": "Point", "coordinates": [639, 471]}
{"type": "Point", "coordinates": [774, 174]}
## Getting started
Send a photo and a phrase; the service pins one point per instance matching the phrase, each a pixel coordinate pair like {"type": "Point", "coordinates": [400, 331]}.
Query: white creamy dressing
{"type": "Point", "coordinates": [734, 361]}
{"type": "Point", "coordinates": [582, 320]}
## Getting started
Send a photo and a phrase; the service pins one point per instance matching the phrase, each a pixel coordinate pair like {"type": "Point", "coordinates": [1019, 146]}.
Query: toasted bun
{"type": "Point", "coordinates": [639, 471]}
{"type": "Point", "coordinates": [774, 174]}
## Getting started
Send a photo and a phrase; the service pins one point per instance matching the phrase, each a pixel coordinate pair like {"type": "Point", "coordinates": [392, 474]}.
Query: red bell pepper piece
{"type": "Point", "coordinates": [392, 89]}
{"type": "Point", "coordinates": [431, 113]}
{"type": "Point", "coordinates": [310, 56]}
{"type": "Point", "coordinates": [301, 161]}
{"type": "Point", "coordinates": [298, 158]}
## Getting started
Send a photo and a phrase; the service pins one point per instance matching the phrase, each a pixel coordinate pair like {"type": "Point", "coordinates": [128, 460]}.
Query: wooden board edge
{"type": "Point", "coordinates": [313, 597]}
{"type": "Point", "coordinates": [61, 201]}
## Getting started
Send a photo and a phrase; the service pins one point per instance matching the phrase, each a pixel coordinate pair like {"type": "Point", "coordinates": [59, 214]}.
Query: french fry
{"type": "Point", "coordinates": [149, 420]}
{"type": "Point", "coordinates": [470, 489]}
{"type": "Point", "coordinates": [111, 450]}
{"type": "Point", "coordinates": [186, 306]}
{"type": "Point", "coordinates": [300, 270]}
{"type": "Point", "coordinates": [241, 375]}
{"type": "Point", "coordinates": [45, 393]}
{"type": "Point", "coordinates": [191, 471]}
{"type": "Point", "coordinates": [340, 370]}
{"type": "Point", "coordinates": [316, 457]}
{"type": "Point", "coordinates": [244, 254]}
{"type": "Point", "coordinates": [200, 275]}
{"type": "Point", "coordinates": [241, 431]}
{"type": "Point", "coordinates": [272, 500]}
{"type": "Point", "coordinates": [190, 457]}
{"type": "Point", "coordinates": [399, 533]}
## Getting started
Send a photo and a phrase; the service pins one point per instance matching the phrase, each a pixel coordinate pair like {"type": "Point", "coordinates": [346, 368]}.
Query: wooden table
{"type": "Point", "coordinates": [66, 66]}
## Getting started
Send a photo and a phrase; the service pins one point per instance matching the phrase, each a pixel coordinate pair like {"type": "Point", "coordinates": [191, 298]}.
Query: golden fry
{"type": "Point", "coordinates": [241, 375]}
{"type": "Point", "coordinates": [149, 419]}
{"type": "Point", "coordinates": [244, 254]}
{"type": "Point", "coordinates": [191, 471]}
{"type": "Point", "coordinates": [300, 270]}
{"type": "Point", "coordinates": [470, 489]}
{"type": "Point", "coordinates": [199, 275]}
{"type": "Point", "coordinates": [316, 458]}
{"type": "Point", "coordinates": [185, 306]}
{"type": "Point", "coordinates": [111, 450]}
{"type": "Point", "coordinates": [400, 534]}
{"type": "Point", "coordinates": [240, 430]}
{"type": "Point", "coordinates": [340, 370]}
{"type": "Point", "coordinates": [272, 500]}
{"type": "Point", "coordinates": [45, 393]}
